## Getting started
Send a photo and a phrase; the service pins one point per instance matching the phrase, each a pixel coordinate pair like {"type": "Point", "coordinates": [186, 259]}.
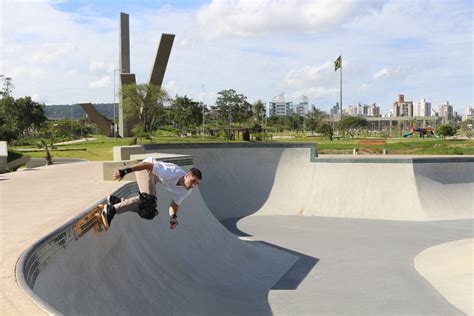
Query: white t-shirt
{"type": "Point", "coordinates": [168, 175]}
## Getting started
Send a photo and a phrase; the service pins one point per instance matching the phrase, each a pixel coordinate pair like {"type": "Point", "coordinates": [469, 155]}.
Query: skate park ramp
{"type": "Point", "coordinates": [272, 229]}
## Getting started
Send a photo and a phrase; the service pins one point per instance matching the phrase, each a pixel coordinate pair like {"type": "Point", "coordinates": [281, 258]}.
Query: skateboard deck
{"type": "Point", "coordinates": [92, 219]}
{"type": "Point", "coordinates": [101, 216]}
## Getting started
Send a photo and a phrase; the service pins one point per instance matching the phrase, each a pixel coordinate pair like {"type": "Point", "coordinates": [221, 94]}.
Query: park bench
{"type": "Point", "coordinates": [371, 142]}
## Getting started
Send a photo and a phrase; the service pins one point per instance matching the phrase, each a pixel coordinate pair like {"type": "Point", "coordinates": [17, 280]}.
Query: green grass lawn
{"type": "Point", "coordinates": [102, 147]}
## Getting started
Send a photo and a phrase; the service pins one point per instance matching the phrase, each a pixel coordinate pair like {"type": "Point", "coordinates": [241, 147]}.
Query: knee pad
{"type": "Point", "coordinates": [147, 207]}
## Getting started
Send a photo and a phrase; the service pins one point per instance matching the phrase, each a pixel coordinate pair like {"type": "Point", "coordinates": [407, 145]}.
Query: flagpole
{"type": "Point", "coordinates": [340, 90]}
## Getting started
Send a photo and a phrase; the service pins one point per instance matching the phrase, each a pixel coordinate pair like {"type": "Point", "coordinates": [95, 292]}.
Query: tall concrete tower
{"type": "Point", "coordinates": [124, 66]}
{"type": "Point", "coordinates": [126, 77]}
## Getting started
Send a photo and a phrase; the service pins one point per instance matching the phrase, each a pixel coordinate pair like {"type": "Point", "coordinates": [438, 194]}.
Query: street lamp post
{"type": "Point", "coordinates": [203, 106]}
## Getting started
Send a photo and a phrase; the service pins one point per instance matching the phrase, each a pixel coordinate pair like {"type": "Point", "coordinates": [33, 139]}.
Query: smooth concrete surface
{"type": "Point", "coordinates": [275, 180]}
{"type": "Point", "coordinates": [161, 60]}
{"type": "Point", "coordinates": [40, 162]}
{"type": "Point", "coordinates": [124, 68]}
{"type": "Point", "coordinates": [355, 266]}
{"type": "Point", "coordinates": [17, 163]}
{"type": "Point", "coordinates": [124, 152]}
{"type": "Point", "coordinates": [34, 202]}
{"type": "Point", "coordinates": [450, 268]}
{"type": "Point", "coordinates": [3, 155]}
{"type": "Point", "coordinates": [142, 267]}
{"type": "Point", "coordinates": [322, 238]}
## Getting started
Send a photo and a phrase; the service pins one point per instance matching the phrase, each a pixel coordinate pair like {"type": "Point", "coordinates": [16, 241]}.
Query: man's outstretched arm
{"type": "Point", "coordinates": [173, 210]}
{"type": "Point", "coordinates": [119, 174]}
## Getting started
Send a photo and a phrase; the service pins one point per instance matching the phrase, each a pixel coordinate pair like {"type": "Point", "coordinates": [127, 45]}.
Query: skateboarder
{"type": "Point", "coordinates": [173, 178]}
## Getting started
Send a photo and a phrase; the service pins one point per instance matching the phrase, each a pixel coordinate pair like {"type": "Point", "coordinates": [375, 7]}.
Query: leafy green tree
{"type": "Point", "coordinates": [466, 128]}
{"type": "Point", "coordinates": [277, 121]}
{"type": "Point", "coordinates": [326, 130]}
{"type": "Point", "coordinates": [353, 125]}
{"type": "Point", "coordinates": [259, 112]}
{"type": "Point", "coordinates": [186, 113]}
{"type": "Point", "coordinates": [295, 122]}
{"type": "Point", "coordinates": [143, 103]}
{"type": "Point", "coordinates": [446, 130]}
{"type": "Point", "coordinates": [7, 86]}
{"type": "Point", "coordinates": [314, 119]}
{"type": "Point", "coordinates": [233, 106]}
{"type": "Point", "coordinates": [20, 115]}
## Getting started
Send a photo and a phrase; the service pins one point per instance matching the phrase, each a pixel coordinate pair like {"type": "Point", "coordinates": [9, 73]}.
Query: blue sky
{"type": "Point", "coordinates": [63, 52]}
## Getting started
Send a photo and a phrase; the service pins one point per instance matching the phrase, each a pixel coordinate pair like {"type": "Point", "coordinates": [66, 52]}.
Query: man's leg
{"type": "Point", "coordinates": [146, 183]}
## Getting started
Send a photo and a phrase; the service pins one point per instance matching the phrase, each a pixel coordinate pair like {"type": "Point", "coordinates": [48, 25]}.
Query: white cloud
{"type": "Point", "coordinates": [50, 53]}
{"type": "Point", "coordinates": [222, 18]}
{"type": "Point", "coordinates": [287, 45]}
{"type": "Point", "coordinates": [101, 83]}
{"type": "Point", "coordinates": [313, 93]}
{"type": "Point", "coordinates": [171, 87]}
{"type": "Point", "coordinates": [397, 73]}
{"type": "Point", "coordinates": [309, 75]}
{"type": "Point", "coordinates": [381, 73]}
{"type": "Point", "coordinates": [101, 67]}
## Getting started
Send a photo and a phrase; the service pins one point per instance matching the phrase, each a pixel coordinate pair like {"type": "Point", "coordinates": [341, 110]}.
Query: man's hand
{"type": "Point", "coordinates": [173, 221]}
{"type": "Point", "coordinates": [119, 174]}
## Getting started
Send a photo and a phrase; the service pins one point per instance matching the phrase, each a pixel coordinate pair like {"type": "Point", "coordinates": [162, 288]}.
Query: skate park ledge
{"type": "Point", "coordinates": [124, 153]}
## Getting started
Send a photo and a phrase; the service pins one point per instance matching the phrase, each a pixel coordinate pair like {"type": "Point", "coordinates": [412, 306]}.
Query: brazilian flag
{"type": "Point", "coordinates": [338, 63]}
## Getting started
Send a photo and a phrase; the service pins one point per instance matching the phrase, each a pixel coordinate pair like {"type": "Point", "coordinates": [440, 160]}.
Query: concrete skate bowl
{"type": "Point", "coordinates": [288, 179]}
{"type": "Point", "coordinates": [202, 268]}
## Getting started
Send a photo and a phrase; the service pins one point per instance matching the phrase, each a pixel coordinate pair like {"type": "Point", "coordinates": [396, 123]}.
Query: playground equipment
{"type": "Point", "coordinates": [423, 131]}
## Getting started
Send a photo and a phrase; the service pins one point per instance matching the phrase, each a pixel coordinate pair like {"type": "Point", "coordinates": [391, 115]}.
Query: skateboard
{"type": "Point", "coordinates": [93, 219]}
{"type": "Point", "coordinates": [101, 216]}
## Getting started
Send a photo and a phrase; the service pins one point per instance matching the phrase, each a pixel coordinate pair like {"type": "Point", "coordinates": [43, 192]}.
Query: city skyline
{"type": "Point", "coordinates": [63, 52]}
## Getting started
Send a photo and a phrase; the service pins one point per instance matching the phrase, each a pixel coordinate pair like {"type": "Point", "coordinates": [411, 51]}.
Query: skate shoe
{"type": "Point", "coordinates": [112, 200]}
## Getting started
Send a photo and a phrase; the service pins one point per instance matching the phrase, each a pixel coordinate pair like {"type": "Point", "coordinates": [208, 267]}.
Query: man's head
{"type": "Point", "coordinates": [192, 178]}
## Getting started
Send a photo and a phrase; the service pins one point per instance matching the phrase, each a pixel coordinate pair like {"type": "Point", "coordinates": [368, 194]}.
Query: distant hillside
{"type": "Point", "coordinates": [60, 112]}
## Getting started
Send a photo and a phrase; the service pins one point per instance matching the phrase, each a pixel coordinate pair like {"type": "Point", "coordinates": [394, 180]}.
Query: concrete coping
{"type": "Point", "coordinates": [317, 158]}
{"type": "Point", "coordinates": [174, 158]}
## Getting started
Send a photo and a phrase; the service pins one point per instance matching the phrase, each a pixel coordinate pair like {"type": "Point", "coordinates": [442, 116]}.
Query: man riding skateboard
{"type": "Point", "coordinates": [148, 172]}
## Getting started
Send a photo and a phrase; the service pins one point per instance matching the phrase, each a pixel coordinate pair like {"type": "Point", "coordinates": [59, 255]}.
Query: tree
{"type": "Point", "coordinates": [7, 86]}
{"type": "Point", "coordinates": [233, 106]}
{"type": "Point", "coordinates": [326, 130]}
{"type": "Point", "coordinates": [186, 113]}
{"type": "Point", "coordinates": [144, 103]}
{"type": "Point", "coordinates": [47, 146]}
{"type": "Point", "coordinates": [314, 119]}
{"type": "Point", "coordinates": [446, 130]}
{"type": "Point", "coordinates": [353, 125]}
{"type": "Point", "coordinates": [466, 128]}
{"type": "Point", "coordinates": [295, 122]}
{"type": "Point", "coordinates": [18, 116]}
{"type": "Point", "coordinates": [259, 112]}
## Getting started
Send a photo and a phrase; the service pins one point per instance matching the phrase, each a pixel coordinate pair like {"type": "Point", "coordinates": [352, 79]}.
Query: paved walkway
{"type": "Point", "coordinates": [57, 194]}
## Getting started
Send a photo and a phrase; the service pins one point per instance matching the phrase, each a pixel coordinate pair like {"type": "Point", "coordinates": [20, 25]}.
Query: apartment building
{"type": "Point", "coordinates": [401, 107]}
